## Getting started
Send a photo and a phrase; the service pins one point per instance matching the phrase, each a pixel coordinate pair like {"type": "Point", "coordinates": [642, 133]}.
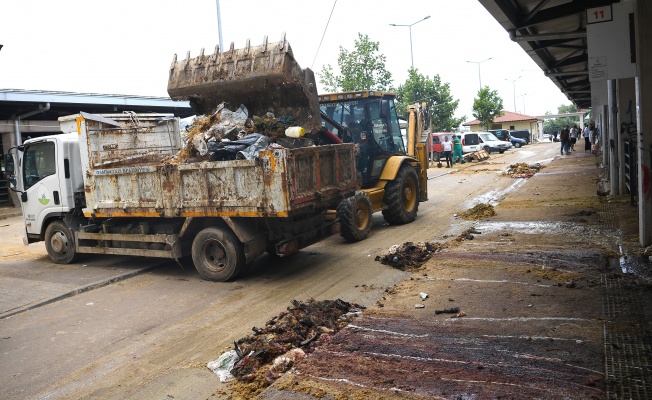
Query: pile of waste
{"type": "Point", "coordinates": [232, 135]}
{"type": "Point", "coordinates": [286, 339]}
{"type": "Point", "coordinates": [480, 211]}
{"type": "Point", "coordinates": [409, 256]}
{"type": "Point", "coordinates": [523, 170]}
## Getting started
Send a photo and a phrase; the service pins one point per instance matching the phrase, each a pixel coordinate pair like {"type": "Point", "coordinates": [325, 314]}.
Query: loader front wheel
{"type": "Point", "coordinates": [355, 216]}
{"type": "Point", "coordinates": [402, 197]}
{"type": "Point", "coordinates": [60, 243]}
{"type": "Point", "coordinates": [217, 254]}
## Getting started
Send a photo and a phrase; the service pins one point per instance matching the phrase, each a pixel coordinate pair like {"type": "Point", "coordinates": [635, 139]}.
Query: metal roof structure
{"type": "Point", "coordinates": [553, 34]}
{"type": "Point", "coordinates": [50, 105]}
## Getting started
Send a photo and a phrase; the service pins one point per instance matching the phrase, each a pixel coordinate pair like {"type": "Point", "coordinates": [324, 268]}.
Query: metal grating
{"type": "Point", "coordinates": [628, 359]}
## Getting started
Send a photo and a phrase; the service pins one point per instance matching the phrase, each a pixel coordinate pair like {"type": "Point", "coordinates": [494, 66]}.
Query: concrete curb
{"type": "Point", "coordinates": [77, 291]}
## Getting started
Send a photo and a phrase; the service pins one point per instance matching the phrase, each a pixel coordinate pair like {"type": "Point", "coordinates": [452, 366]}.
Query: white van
{"type": "Point", "coordinates": [470, 142]}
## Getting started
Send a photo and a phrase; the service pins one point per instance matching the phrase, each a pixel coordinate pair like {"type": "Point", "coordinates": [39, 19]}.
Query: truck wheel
{"type": "Point", "coordinates": [402, 197]}
{"type": "Point", "coordinates": [217, 254]}
{"type": "Point", "coordinates": [60, 243]}
{"type": "Point", "coordinates": [355, 215]}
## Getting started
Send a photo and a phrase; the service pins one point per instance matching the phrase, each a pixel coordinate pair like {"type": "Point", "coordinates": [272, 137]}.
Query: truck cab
{"type": "Point", "coordinates": [47, 180]}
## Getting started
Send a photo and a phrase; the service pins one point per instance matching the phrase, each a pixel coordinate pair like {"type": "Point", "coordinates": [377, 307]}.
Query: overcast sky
{"type": "Point", "coordinates": [126, 47]}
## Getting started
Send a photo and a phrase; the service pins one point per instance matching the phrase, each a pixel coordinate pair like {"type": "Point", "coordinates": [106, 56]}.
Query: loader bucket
{"type": "Point", "coordinates": [264, 78]}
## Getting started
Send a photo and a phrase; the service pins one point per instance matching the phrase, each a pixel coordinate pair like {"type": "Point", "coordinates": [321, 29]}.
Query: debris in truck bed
{"type": "Point", "coordinates": [210, 137]}
{"type": "Point", "coordinates": [480, 211]}
{"type": "Point", "coordinates": [523, 170]}
{"type": "Point", "coordinates": [301, 327]}
{"type": "Point", "coordinates": [409, 256]}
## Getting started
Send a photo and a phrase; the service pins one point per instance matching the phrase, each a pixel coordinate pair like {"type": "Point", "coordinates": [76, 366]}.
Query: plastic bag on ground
{"type": "Point", "coordinates": [223, 365]}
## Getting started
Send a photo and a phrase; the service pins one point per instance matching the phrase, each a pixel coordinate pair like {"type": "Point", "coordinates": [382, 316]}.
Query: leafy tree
{"type": "Point", "coordinates": [437, 95]}
{"type": "Point", "coordinates": [487, 106]}
{"type": "Point", "coordinates": [360, 69]}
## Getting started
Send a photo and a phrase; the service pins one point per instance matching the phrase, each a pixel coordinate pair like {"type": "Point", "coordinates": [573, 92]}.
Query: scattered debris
{"type": "Point", "coordinates": [419, 306]}
{"type": "Point", "coordinates": [409, 256]}
{"type": "Point", "coordinates": [480, 211]}
{"type": "Point", "coordinates": [523, 170]}
{"type": "Point", "coordinates": [223, 365]}
{"type": "Point", "coordinates": [302, 327]}
{"type": "Point", "coordinates": [453, 310]}
{"type": "Point", "coordinates": [423, 295]}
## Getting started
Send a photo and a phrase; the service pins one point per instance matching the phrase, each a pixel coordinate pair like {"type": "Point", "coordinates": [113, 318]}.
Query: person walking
{"type": "Point", "coordinates": [573, 137]}
{"type": "Point", "coordinates": [457, 150]}
{"type": "Point", "coordinates": [448, 151]}
{"type": "Point", "coordinates": [587, 139]}
{"type": "Point", "coordinates": [564, 138]}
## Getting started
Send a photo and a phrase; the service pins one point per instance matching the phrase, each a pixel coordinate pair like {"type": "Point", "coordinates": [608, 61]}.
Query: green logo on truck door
{"type": "Point", "coordinates": [43, 195]}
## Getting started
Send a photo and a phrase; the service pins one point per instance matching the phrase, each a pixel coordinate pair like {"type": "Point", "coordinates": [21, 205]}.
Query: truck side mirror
{"type": "Point", "coordinates": [9, 164]}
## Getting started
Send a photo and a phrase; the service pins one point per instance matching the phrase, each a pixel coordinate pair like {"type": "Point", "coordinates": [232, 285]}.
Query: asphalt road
{"type": "Point", "coordinates": [126, 327]}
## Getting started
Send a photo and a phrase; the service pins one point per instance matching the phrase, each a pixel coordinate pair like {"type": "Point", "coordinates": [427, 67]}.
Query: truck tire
{"type": "Point", "coordinates": [60, 243]}
{"type": "Point", "coordinates": [355, 216]}
{"type": "Point", "coordinates": [217, 254]}
{"type": "Point", "coordinates": [402, 197]}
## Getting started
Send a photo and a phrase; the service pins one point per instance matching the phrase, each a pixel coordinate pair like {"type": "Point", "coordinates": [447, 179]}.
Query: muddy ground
{"type": "Point", "coordinates": [544, 312]}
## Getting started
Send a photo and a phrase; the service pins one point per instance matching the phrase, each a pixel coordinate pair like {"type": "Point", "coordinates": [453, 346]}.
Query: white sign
{"type": "Point", "coordinates": [598, 14]}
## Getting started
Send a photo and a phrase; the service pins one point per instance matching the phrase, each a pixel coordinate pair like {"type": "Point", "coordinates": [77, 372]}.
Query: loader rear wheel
{"type": "Point", "coordinates": [217, 254]}
{"type": "Point", "coordinates": [402, 197]}
{"type": "Point", "coordinates": [355, 215]}
{"type": "Point", "coordinates": [60, 243]}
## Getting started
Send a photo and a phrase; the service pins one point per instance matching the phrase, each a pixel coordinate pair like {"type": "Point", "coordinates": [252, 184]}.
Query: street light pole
{"type": "Point", "coordinates": [219, 25]}
{"type": "Point", "coordinates": [479, 62]}
{"type": "Point", "coordinates": [514, 87]}
{"type": "Point", "coordinates": [410, 27]}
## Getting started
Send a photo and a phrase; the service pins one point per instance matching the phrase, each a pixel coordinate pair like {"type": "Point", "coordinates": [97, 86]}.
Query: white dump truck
{"type": "Point", "coordinates": [104, 187]}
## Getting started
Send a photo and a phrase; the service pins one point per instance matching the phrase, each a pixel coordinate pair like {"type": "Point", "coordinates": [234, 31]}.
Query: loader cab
{"type": "Point", "coordinates": [369, 119]}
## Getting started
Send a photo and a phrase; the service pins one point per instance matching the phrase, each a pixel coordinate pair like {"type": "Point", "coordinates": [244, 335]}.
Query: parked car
{"type": "Point", "coordinates": [525, 135]}
{"type": "Point", "coordinates": [490, 143]}
{"type": "Point", "coordinates": [470, 142]}
{"type": "Point", "coordinates": [504, 134]}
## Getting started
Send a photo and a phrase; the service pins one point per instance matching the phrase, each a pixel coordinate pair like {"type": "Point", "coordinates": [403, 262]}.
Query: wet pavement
{"type": "Point", "coordinates": [554, 298]}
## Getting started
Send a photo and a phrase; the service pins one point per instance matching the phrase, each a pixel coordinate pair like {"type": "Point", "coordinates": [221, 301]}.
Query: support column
{"type": "Point", "coordinates": [626, 125]}
{"type": "Point", "coordinates": [612, 144]}
{"type": "Point", "coordinates": [642, 12]}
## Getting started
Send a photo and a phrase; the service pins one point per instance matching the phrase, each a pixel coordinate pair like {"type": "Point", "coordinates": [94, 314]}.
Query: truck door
{"type": "Point", "coordinates": [41, 191]}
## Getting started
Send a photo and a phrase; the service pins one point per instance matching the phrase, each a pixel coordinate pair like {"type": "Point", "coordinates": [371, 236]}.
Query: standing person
{"type": "Point", "coordinates": [593, 135]}
{"type": "Point", "coordinates": [587, 139]}
{"type": "Point", "coordinates": [448, 151]}
{"type": "Point", "coordinates": [457, 150]}
{"type": "Point", "coordinates": [564, 138]}
{"type": "Point", "coordinates": [573, 137]}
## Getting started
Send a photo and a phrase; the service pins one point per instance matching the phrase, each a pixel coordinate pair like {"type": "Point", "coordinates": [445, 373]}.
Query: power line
{"type": "Point", "coordinates": [323, 35]}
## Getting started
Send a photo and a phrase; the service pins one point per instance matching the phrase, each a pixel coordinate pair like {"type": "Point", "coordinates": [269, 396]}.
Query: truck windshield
{"type": "Point", "coordinates": [38, 163]}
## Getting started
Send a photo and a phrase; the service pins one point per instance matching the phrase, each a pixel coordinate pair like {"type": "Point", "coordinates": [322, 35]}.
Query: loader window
{"type": "Point", "coordinates": [38, 163]}
{"type": "Point", "coordinates": [385, 126]}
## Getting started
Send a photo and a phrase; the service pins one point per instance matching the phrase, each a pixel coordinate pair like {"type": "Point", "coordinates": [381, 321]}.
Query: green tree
{"type": "Point", "coordinates": [437, 95]}
{"type": "Point", "coordinates": [360, 69]}
{"type": "Point", "coordinates": [487, 106]}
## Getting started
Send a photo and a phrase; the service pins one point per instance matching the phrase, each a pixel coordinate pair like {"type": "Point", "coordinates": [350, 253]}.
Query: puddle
{"type": "Point", "coordinates": [539, 228]}
{"type": "Point", "coordinates": [493, 197]}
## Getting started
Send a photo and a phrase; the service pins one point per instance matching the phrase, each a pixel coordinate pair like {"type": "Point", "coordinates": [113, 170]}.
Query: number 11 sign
{"type": "Point", "coordinates": [598, 14]}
